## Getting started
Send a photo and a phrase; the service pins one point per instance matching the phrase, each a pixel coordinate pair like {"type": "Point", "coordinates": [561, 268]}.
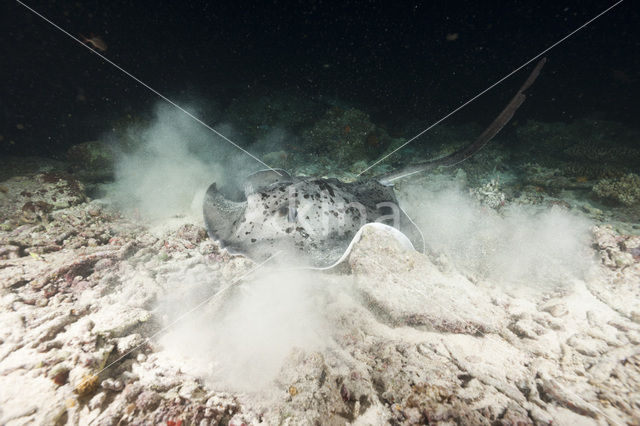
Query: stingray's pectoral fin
{"type": "Point", "coordinates": [401, 242]}
{"type": "Point", "coordinates": [221, 215]}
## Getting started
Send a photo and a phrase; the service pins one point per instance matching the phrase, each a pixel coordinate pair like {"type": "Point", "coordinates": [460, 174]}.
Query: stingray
{"type": "Point", "coordinates": [317, 220]}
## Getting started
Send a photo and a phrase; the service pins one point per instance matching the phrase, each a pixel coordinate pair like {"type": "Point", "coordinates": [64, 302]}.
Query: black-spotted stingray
{"type": "Point", "coordinates": [315, 220]}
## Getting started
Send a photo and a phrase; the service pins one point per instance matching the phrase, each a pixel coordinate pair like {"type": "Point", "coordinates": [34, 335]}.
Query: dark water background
{"type": "Point", "coordinates": [390, 59]}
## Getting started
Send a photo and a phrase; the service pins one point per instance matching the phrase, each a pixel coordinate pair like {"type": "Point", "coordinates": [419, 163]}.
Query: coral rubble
{"type": "Point", "coordinates": [625, 190]}
{"type": "Point", "coordinates": [89, 298]}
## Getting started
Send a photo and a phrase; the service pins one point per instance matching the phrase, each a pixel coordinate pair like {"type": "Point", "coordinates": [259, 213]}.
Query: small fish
{"type": "Point", "coordinates": [95, 41]}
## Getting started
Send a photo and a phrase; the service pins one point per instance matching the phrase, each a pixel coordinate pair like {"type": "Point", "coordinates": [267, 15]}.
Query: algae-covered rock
{"type": "Point", "coordinates": [11, 166]}
{"type": "Point", "coordinates": [92, 160]}
{"type": "Point", "coordinates": [489, 194]}
{"type": "Point", "coordinates": [540, 137]}
{"type": "Point", "coordinates": [279, 159]}
{"type": "Point", "coordinates": [255, 115]}
{"type": "Point", "coordinates": [30, 199]}
{"type": "Point", "coordinates": [586, 148]}
{"type": "Point", "coordinates": [625, 190]}
{"type": "Point", "coordinates": [92, 154]}
{"type": "Point", "coordinates": [346, 136]}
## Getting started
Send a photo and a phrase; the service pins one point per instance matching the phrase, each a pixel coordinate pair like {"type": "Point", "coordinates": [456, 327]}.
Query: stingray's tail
{"type": "Point", "coordinates": [462, 154]}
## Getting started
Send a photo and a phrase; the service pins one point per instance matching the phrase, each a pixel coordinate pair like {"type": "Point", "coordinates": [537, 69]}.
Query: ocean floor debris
{"type": "Point", "coordinates": [86, 294]}
{"type": "Point", "coordinates": [625, 190]}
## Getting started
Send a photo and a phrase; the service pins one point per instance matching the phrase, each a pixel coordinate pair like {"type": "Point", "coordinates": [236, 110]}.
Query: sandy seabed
{"type": "Point", "coordinates": [105, 319]}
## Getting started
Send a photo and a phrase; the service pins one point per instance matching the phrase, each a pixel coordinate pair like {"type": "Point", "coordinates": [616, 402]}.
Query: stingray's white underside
{"type": "Point", "coordinates": [403, 242]}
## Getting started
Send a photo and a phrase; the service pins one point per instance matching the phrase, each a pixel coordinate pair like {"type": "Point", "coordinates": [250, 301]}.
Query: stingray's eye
{"type": "Point", "coordinates": [283, 211]}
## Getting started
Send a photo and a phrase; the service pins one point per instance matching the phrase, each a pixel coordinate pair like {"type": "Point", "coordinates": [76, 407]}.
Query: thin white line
{"type": "Point", "coordinates": [219, 292]}
{"type": "Point", "coordinates": [147, 86]}
{"type": "Point", "coordinates": [420, 171]}
{"type": "Point", "coordinates": [424, 242]}
{"type": "Point", "coordinates": [402, 176]}
{"type": "Point", "coordinates": [493, 85]}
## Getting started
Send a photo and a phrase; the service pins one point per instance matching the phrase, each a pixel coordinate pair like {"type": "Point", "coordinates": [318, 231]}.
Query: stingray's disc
{"type": "Point", "coordinates": [312, 221]}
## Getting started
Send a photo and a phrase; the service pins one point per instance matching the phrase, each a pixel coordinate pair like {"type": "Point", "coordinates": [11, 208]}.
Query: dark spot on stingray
{"type": "Point", "coordinates": [354, 211]}
{"type": "Point", "coordinates": [283, 211]}
{"type": "Point", "coordinates": [253, 240]}
{"type": "Point", "coordinates": [326, 187]}
{"type": "Point", "coordinates": [302, 232]}
{"type": "Point", "coordinates": [305, 196]}
{"type": "Point", "coordinates": [288, 230]}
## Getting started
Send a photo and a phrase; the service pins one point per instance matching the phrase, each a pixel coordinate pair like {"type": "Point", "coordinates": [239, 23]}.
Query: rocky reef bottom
{"type": "Point", "coordinates": [106, 320]}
